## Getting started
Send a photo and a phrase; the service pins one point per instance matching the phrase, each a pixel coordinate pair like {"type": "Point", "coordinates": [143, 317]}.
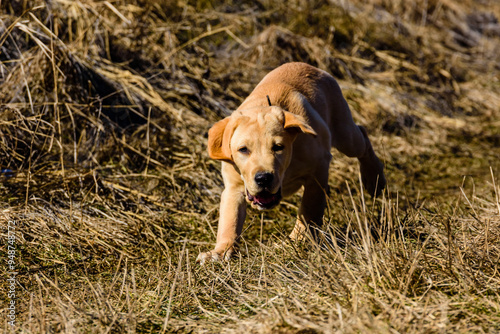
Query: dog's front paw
{"type": "Point", "coordinates": [215, 256]}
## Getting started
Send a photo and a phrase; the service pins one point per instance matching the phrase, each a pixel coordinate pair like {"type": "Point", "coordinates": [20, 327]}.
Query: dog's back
{"type": "Point", "coordinates": [288, 85]}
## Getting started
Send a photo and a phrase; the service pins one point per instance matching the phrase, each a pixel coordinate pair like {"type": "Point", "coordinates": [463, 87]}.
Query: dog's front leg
{"type": "Point", "coordinates": [313, 205]}
{"type": "Point", "coordinates": [231, 217]}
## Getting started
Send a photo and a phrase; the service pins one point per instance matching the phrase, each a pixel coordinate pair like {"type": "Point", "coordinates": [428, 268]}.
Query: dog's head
{"type": "Point", "coordinates": [259, 144]}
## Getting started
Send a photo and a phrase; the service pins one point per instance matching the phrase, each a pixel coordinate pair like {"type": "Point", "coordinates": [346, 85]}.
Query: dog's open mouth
{"type": "Point", "coordinates": [265, 200]}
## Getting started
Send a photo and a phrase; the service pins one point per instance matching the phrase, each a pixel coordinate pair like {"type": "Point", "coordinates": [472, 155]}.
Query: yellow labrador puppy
{"type": "Point", "coordinates": [278, 141]}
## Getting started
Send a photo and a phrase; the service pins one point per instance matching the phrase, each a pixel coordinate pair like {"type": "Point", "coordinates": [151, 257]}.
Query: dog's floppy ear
{"type": "Point", "coordinates": [297, 121]}
{"type": "Point", "coordinates": [219, 137]}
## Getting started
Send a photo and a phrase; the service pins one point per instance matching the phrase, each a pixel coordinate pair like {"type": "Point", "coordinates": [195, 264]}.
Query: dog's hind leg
{"type": "Point", "coordinates": [371, 168]}
{"type": "Point", "coordinates": [353, 141]}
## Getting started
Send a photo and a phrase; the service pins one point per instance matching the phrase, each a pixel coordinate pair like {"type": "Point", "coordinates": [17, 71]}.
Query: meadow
{"type": "Point", "coordinates": [107, 186]}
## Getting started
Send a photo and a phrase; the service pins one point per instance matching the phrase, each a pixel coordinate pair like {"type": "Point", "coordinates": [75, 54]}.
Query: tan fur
{"type": "Point", "coordinates": [272, 151]}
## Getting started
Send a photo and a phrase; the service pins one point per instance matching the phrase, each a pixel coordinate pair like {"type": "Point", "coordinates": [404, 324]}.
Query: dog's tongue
{"type": "Point", "coordinates": [265, 198]}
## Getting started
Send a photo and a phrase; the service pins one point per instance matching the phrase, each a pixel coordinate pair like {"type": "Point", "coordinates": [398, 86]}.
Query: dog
{"type": "Point", "coordinates": [278, 141]}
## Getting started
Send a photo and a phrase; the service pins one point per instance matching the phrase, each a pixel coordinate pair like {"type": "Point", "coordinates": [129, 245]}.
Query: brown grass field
{"type": "Point", "coordinates": [104, 110]}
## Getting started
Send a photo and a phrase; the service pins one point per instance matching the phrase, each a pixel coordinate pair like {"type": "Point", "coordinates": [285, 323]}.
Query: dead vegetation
{"type": "Point", "coordinates": [104, 109]}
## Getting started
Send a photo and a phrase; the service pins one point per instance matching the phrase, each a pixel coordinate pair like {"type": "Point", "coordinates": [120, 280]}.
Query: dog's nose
{"type": "Point", "coordinates": [264, 179]}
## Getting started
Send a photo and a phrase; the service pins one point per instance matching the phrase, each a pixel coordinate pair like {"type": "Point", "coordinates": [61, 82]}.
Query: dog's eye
{"type": "Point", "coordinates": [278, 147]}
{"type": "Point", "coordinates": [243, 150]}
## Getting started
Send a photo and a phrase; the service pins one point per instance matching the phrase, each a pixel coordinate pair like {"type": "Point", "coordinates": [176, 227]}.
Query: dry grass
{"type": "Point", "coordinates": [104, 110]}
